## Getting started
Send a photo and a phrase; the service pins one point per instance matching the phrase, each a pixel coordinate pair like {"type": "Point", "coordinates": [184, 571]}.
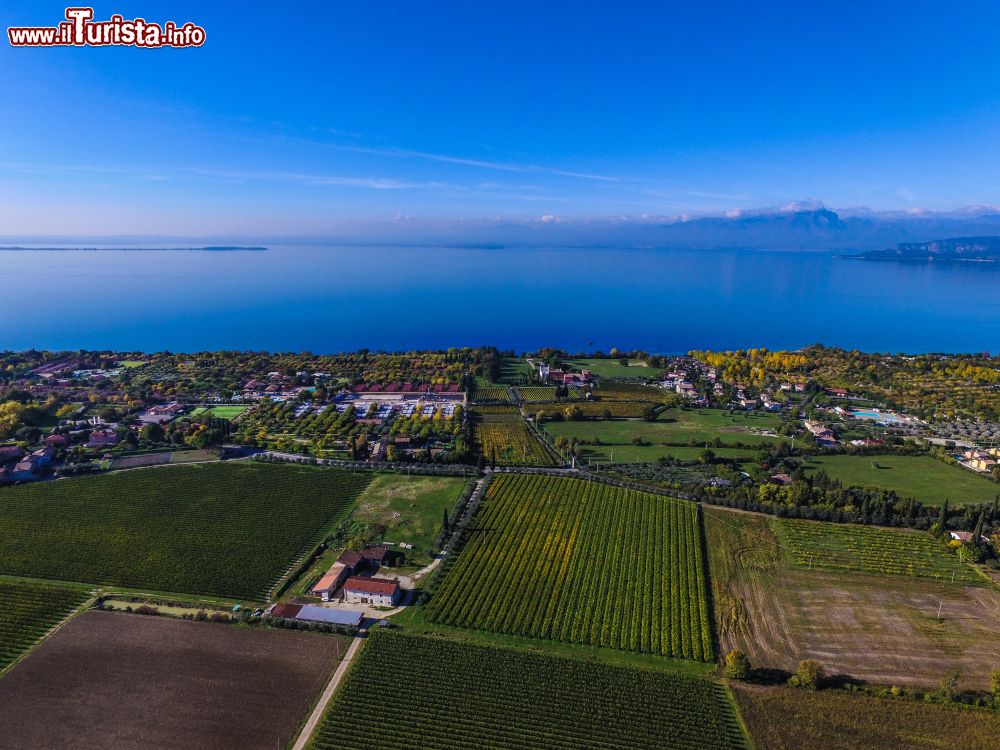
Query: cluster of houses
{"type": "Point", "coordinates": [982, 460]}
{"type": "Point", "coordinates": [18, 466]}
{"type": "Point", "coordinates": [344, 576]}
{"type": "Point", "coordinates": [823, 434]}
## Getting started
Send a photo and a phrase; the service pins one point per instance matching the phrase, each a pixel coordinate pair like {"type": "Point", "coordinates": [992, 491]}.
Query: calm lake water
{"type": "Point", "coordinates": [330, 299]}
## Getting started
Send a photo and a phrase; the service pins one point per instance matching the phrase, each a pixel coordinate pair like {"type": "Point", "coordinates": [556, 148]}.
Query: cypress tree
{"type": "Point", "coordinates": [942, 518]}
{"type": "Point", "coordinates": [447, 525]}
{"type": "Point", "coordinates": [978, 533]}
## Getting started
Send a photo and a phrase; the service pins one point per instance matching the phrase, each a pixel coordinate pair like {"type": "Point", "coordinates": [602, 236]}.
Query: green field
{"type": "Point", "coordinates": [629, 454]}
{"type": "Point", "coordinates": [581, 562]}
{"type": "Point", "coordinates": [610, 368]}
{"type": "Point", "coordinates": [632, 392]}
{"type": "Point", "coordinates": [672, 426]}
{"type": "Point", "coordinates": [922, 477]}
{"type": "Point", "coordinates": [230, 411]}
{"type": "Point", "coordinates": [400, 508]}
{"type": "Point", "coordinates": [445, 695]}
{"type": "Point", "coordinates": [514, 370]}
{"type": "Point", "coordinates": [28, 611]}
{"type": "Point", "coordinates": [217, 529]}
{"type": "Point", "coordinates": [870, 549]}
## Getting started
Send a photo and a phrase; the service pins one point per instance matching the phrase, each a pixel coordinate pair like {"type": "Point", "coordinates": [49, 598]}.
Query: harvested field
{"type": "Point", "coordinates": [781, 718]}
{"type": "Point", "coordinates": [130, 681]}
{"type": "Point", "coordinates": [880, 629]}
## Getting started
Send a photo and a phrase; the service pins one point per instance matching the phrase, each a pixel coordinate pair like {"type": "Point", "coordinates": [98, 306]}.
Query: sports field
{"type": "Point", "coordinates": [222, 412]}
{"type": "Point", "coordinates": [922, 477]}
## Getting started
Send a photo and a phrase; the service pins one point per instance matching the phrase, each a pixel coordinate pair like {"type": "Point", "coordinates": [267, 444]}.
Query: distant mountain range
{"type": "Point", "coordinates": [796, 227]}
{"type": "Point", "coordinates": [971, 249]}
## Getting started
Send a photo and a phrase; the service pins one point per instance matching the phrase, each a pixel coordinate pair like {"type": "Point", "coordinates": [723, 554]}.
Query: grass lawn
{"type": "Point", "coordinates": [673, 426]}
{"type": "Point", "coordinates": [409, 509]}
{"type": "Point", "coordinates": [513, 370]}
{"type": "Point", "coordinates": [635, 454]}
{"type": "Point", "coordinates": [222, 412]}
{"type": "Point", "coordinates": [610, 368]}
{"type": "Point", "coordinates": [928, 480]}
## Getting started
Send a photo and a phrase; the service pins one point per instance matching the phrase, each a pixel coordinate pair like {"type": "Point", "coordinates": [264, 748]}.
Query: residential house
{"type": "Point", "coordinates": [102, 439]}
{"type": "Point", "coordinates": [965, 536]}
{"type": "Point", "coordinates": [56, 441]}
{"type": "Point", "coordinates": [821, 432]}
{"type": "Point", "coordinates": [43, 457]}
{"type": "Point", "coordinates": [23, 471]}
{"type": "Point", "coordinates": [331, 581]}
{"type": "Point", "coordinates": [381, 592]}
{"type": "Point", "coordinates": [10, 453]}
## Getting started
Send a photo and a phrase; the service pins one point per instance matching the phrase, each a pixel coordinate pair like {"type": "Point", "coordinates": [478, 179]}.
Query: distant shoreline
{"type": "Point", "coordinates": [211, 249]}
{"type": "Point", "coordinates": [929, 259]}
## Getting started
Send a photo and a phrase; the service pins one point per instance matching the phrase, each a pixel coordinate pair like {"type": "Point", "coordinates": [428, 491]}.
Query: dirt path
{"type": "Point", "coordinates": [324, 700]}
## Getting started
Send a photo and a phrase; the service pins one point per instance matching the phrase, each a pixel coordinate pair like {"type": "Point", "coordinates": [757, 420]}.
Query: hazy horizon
{"type": "Point", "coordinates": [442, 114]}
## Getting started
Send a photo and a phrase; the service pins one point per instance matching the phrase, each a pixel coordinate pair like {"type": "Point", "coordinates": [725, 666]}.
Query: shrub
{"type": "Point", "coordinates": [737, 666]}
{"type": "Point", "coordinates": [809, 674]}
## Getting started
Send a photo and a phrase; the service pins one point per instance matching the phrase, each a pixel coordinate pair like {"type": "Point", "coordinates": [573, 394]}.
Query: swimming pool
{"type": "Point", "coordinates": [879, 416]}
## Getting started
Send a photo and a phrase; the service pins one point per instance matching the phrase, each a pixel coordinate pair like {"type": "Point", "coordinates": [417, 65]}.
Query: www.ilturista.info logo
{"type": "Point", "coordinates": [81, 30]}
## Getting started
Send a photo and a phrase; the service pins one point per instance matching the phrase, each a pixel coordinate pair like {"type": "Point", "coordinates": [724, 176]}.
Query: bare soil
{"type": "Point", "coordinates": [879, 629]}
{"type": "Point", "coordinates": [131, 681]}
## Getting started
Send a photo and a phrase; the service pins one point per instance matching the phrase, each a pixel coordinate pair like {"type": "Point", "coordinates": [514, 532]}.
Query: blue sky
{"type": "Point", "coordinates": [296, 121]}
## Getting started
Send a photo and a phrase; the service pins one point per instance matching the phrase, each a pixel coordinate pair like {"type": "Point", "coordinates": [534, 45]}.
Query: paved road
{"type": "Point", "coordinates": [324, 701]}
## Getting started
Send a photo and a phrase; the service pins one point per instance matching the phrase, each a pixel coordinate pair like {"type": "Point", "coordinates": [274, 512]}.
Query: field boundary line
{"type": "Point", "coordinates": [79, 609]}
{"type": "Point", "coordinates": [324, 700]}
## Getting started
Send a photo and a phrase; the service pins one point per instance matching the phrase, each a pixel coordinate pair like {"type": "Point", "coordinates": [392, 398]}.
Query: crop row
{"type": "Point", "coordinates": [868, 549]}
{"type": "Point", "coordinates": [492, 393]}
{"type": "Point", "coordinates": [536, 393]}
{"type": "Point", "coordinates": [582, 562]}
{"type": "Point", "coordinates": [28, 611]}
{"type": "Point", "coordinates": [459, 695]}
{"type": "Point", "coordinates": [219, 529]}
{"type": "Point", "coordinates": [510, 443]}
{"type": "Point", "coordinates": [630, 392]}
